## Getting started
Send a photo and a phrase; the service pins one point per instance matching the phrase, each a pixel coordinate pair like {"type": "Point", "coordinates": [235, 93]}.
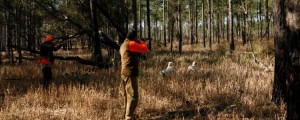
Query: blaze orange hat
{"type": "Point", "coordinates": [49, 38]}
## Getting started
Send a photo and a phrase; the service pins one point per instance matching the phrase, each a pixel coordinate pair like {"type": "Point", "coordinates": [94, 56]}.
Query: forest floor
{"type": "Point", "coordinates": [225, 86]}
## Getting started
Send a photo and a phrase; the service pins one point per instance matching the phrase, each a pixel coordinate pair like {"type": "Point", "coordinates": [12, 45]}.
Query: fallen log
{"type": "Point", "coordinates": [68, 58]}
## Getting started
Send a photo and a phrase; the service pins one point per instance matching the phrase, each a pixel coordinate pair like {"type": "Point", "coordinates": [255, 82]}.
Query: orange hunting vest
{"type": "Point", "coordinates": [42, 60]}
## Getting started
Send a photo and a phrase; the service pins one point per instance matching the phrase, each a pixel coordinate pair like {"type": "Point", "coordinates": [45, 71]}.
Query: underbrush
{"type": "Point", "coordinates": [225, 86]}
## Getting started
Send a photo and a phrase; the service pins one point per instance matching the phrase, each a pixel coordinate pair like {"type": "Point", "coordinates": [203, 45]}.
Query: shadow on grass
{"type": "Point", "coordinates": [213, 106]}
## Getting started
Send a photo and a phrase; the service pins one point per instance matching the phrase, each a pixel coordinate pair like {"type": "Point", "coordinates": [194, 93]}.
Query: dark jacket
{"type": "Point", "coordinates": [46, 51]}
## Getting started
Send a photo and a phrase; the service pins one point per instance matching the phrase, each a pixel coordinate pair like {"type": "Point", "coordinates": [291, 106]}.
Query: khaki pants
{"type": "Point", "coordinates": [131, 95]}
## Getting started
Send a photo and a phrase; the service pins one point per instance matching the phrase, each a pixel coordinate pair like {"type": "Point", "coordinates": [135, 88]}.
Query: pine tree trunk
{"type": "Point", "coordinates": [267, 33]}
{"type": "Point", "coordinates": [97, 53]}
{"type": "Point", "coordinates": [260, 20]}
{"type": "Point", "coordinates": [189, 31]}
{"type": "Point", "coordinates": [238, 27]}
{"type": "Point", "coordinates": [230, 17]}
{"type": "Point", "coordinates": [122, 11]}
{"type": "Point", "coordinates": [164, 26]}
{"type": "Point", "coordinates": [191, 23]}
{"type": "Point", "coordinates": [180, 28]}
{"type": "Point", "coordinates": [134, 13]}
{"type": "Point", "coordinates": [148, 24]}
{"type": "Point", "coordinates": [244, 31]}
{"type": "Point", "coordinates": [126, 15]}
{"type": "Point", "coordinates": [209, 24]}
{"type": "Point", "coordinates": [9, 37]}
{"type": "Point", "coordinates": [245, 24]}
{"type": "Point", "coordinates": [218, 22]}
{"type": "Point", "coordinates": [168, 17]}
{"type": "Point", "coordinates": [212, 23]}
{"type": "Point", "coordinates": [172, 23]}
{"type": "Point", "coordinates": [18, 32]}
{"type": "Point", "coordinates": [196, 21]}
{"type": "Point", "coordinates": [140, 15]}
{"type": "Point", "coordinates": [292, 19]}
{"type": "Point", "coordinates": [203, 24]}
{"type": "Point", "coordinates": [222, 27]}
{"type": "Point", "coordinates": [227, 28]}
{"type": "Point", "coordinates": [145, 28]}
{"type": "Point", "coordinates": [279, 86]}
{"type": "Point", "coordinates": [1, 42]}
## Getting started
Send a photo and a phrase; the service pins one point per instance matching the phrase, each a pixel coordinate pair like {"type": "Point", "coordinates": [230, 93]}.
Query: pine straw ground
{"type": "Point", "coordinates": [226, 86]}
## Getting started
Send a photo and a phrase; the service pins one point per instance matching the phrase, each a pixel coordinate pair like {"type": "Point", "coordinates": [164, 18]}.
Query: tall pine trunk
{"type": "Point", "coordinates": [172, 23]}
{"type": "Point", "coordinates": [148, 24]}
{"type": "Point", "coordinates": [218, 32]}
{"type": "Point", "coordinates": [244, 31]}
{"type": "Point", "coordinates": [9, 35]}
{"type": "Point", "coordinates": [19, 10]}
{"type": "Point", "coordinates": [134, 13]}
{"type": "Point", "coordinates": [245, 24]}
{"type": "Point", "coordinates": [260, 20]}
{"type": "Point", "coordinates": [191, 13]}
{"type": "Point", "coordinates": [203, 24]}
{"type": "Point", "coordinates": [164, 26]}
{"type": "Point", "coordinates": [196, 21]}
{"type": "Point", "coordinates": [97, 53]}
{"type": "Point", "coordinates": [140, 19]}
{"type": "Point", "coordinates": [292, 18]}
{"type": "Point", "coordinates": [279, 86]}
{"type": "Point", "coordinates": [209, 24]}
{"type": "Point", "coordinates": [231, 37]}
{"type": "Point", "coordinates": [179, 28]}
{"type": "Point", "coordinates": [267, 33]}
{"type": "Point", "coordinates": [1, 42]}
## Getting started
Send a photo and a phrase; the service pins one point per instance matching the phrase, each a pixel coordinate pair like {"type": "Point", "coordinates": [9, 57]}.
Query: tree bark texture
{"type": "Point", "coordinates": [209, 24]}
{"type": "Point", "coordinates": [292, 18]}
{"type": "Point", "coordinates": [287, 55]}
{"type": "Point", "coordinates": [279, 86]}
{"type": "Point", "coordinates": [148, 24]}
{"type": "Point", "coordinates": [134, 13]}
{"type": "Point", "coordinates": [230, 24]}
{"type": "Point", "coordinates": [180, 27]}
{"type": "Point", "coordinates": [203, 24]}
{"type": "Point", "coordinates": [96, 37]}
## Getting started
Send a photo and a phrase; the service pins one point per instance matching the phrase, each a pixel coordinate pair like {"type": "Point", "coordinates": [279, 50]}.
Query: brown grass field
{"type": "Point", "coordinates": [225, 86]}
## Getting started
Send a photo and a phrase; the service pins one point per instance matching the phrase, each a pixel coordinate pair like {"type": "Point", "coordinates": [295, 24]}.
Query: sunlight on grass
{"type": "Point", "coordinates": [225, 86]}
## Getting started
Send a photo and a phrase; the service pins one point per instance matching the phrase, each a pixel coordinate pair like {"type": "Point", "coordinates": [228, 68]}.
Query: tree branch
{"type": "Point", "coordinates": [109, 42]}
{"type": "Point", "coordinates": [67, 58]}
{"type": "Point", "coordinates": [111, 20]}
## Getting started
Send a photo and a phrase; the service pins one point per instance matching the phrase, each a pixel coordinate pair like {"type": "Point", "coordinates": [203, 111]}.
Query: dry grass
{"type": "Point", "coordinates": [226, 86]}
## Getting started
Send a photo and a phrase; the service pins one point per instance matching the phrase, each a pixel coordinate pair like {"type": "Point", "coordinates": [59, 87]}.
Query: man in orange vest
{"type": "Point", "coordinates": [46, 59]}
{"type": "Point", "coordinates": [130, 50]}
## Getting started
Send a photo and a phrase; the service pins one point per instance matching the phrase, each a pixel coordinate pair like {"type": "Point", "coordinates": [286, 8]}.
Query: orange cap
{"type": "Point", "coordinates": [49, 38]}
